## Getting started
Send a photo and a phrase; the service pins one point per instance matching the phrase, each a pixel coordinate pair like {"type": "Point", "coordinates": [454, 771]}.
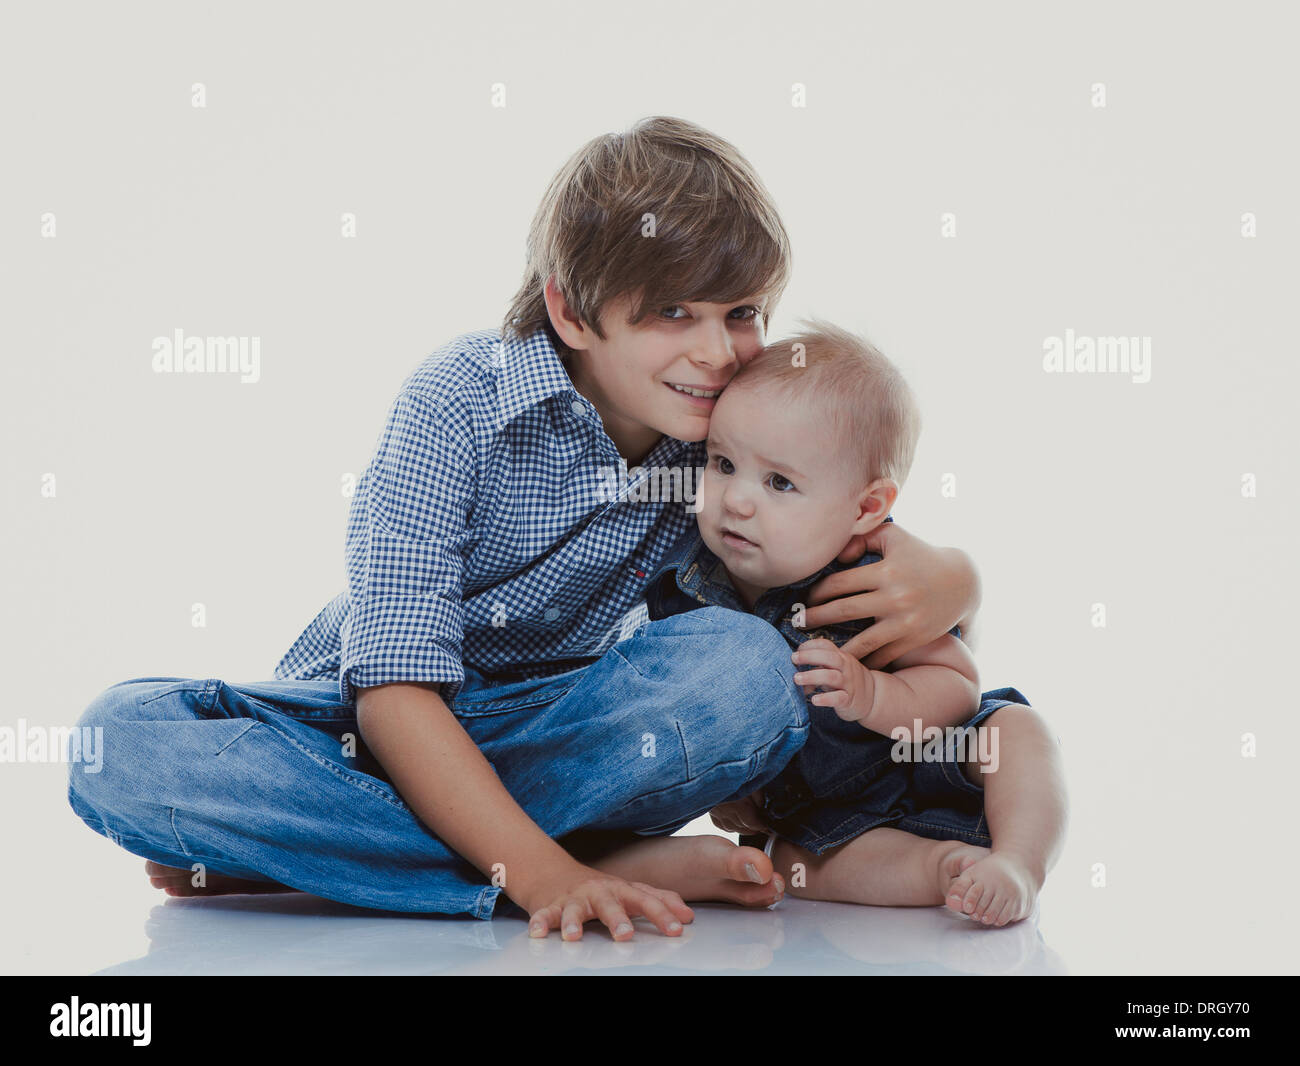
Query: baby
{"type": "Point", "coordinates": [911, 788]}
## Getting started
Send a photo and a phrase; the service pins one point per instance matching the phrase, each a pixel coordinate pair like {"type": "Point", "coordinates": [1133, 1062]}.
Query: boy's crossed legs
{"type": "Point", "coordinates": [251, 781]}
{"type": "Point", "coordinates": [1025, 807]}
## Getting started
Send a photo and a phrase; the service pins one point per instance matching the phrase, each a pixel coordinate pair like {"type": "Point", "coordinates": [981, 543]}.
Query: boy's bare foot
{"type": "Point", "coordinates": [179, 882]}
{"type": "Point", "coordinates": [699, 868]}
{"type": "Point", "coordinates": [995, 890]}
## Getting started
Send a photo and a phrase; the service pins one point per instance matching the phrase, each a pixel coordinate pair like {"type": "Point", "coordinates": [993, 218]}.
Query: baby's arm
{"type": "Point", "coordinates": [937, 684]}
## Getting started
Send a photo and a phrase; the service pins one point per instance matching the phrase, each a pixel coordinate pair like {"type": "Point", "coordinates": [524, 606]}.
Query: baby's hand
{"type": "Point", "coordinates": [740, 816]}
{"type": "Point", "coordinates": [850, 687]}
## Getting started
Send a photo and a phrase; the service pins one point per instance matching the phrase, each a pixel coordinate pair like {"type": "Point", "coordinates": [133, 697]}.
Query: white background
{"type": "Point", "coordinates": [1072, 490]}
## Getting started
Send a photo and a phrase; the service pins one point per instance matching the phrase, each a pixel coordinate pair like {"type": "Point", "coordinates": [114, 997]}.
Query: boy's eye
{"type": "Point", "coordinates": [746, 313]}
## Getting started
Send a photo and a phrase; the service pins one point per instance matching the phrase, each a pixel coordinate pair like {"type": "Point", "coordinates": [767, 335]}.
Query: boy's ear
{"type": "Point", "coordinates": [874, 504]}
{"type": "Point", "coordinates": [568, 326]}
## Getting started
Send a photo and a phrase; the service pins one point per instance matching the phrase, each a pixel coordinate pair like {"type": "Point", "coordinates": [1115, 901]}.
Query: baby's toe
{"type": "Point", "coordinates": [957, 894]}
{"type": "Point", "coordinates": [988, 894]}
{"type": "Point", "coordinates": [999, 914]}
{"type": "Point", "coordinates": [971, 898]}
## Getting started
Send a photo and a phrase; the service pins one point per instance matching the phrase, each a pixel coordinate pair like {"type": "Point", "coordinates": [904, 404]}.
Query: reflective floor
{"type": "Point", "coordinates": [301, 934]}
{"type": "Point", "coordinates": [83, 905]}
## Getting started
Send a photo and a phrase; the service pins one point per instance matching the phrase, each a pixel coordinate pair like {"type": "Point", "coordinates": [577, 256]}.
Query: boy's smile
{"type": "Point", "coordinates": [702, 395]}
{"type": "Point", "coordinates": [662, 375]}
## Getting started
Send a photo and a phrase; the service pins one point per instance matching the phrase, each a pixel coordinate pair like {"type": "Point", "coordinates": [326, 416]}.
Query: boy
{"type": "Point", "coordinates": [780, 496]}
{"type": "Point", "coordinates": [472, 698]}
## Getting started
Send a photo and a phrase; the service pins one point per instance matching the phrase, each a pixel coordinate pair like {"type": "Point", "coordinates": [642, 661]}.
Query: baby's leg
{"type": "Point", "coordinates": [885, 867]}
{"type": "Point", "coordinates": [1025, 806]}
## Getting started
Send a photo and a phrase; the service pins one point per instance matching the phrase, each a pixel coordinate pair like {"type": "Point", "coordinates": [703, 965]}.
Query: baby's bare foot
{"type": "Point", "coordinates": [994, 890]}
{"type": "Point", "coordinates": [699, 868]}
{"type": "Point", "coordinates": [178, 882]}
{"type": "Point", "coordinates": [954, 860]}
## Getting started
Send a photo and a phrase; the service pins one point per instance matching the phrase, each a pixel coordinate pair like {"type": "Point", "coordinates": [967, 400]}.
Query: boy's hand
{"type": "Point", "coordinates": [915, 593]}
{"type": "Point", "coordinates": [741, 816]}
{"type": "Point", "coordinates": [850, 687]}
{"type": "Point", "coordinates": [576, 894]}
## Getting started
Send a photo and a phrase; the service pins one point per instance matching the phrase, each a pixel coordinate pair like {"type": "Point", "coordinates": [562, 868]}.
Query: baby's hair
{"type": "Point", "coordinates": [717, 236]}
{"type": "Point", "coordinates": [867, 404]}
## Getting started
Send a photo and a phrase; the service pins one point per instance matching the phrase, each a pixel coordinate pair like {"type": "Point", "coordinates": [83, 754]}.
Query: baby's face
{"type": "Point", "coordinates": [775, 478]}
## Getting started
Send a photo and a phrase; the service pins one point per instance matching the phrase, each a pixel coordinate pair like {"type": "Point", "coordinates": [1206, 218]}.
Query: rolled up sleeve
{"type": "Point", "coordinates": [406, 531]}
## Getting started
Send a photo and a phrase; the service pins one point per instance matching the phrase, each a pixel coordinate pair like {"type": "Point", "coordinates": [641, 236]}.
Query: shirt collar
{"type": "Point", "coordinates": [690, 547]}
{"type": "Point", "coordinates": [679, 555]}
{"type": "Point", "coordinates": [529, 372]}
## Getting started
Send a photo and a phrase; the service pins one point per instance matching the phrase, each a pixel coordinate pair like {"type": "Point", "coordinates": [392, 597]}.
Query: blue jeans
{"type": "Point", "coordinates": [259, 780]}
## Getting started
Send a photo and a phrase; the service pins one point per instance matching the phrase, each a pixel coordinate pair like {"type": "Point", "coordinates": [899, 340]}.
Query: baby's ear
{"type": "Point", "coordinates": [875, 503]}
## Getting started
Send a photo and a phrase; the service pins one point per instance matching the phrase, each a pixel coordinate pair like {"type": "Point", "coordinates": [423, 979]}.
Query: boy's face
{"type": "Point", "coordinates": [775, 478]}
{"type": "Point", "coordinates": [634, 376]}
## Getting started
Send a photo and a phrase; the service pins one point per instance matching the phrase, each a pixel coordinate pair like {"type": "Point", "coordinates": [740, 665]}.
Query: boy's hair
{"type": "Point", "coordinates": [862, 397]}
{"type": "Point", "coordinates": [717, 234]}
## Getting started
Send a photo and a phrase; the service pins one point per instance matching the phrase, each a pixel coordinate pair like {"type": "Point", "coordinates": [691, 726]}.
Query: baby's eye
{"type": "Point", "coordinates": [721, 459]}
{"type": "Point", "coordinates": [778, 480]}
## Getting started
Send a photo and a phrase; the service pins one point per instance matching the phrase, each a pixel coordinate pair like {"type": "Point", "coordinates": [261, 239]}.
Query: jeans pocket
{"type": "Point", "coordinates": [502, 699]}
{"type": "Point", "coordinates": [306, 701]}
{"type": "Point", "coordinates": [200, 690]}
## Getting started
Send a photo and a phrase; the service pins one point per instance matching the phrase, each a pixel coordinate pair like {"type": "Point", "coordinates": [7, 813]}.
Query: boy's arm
{"type": "Point", "coordinates": [449, 784]}
{"type": "Point", "coordinates": [937, 684]}
{"type": "Point", "coordinates": [403, 638]}
{"type": "Point", "coordinates": [915, 593]}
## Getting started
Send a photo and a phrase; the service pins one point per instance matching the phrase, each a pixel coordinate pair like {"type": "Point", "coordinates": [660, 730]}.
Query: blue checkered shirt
{"type": "Point", "coordinates": [487, 529]}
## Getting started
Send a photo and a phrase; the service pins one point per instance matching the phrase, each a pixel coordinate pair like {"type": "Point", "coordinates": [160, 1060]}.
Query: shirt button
{"type": "Point", "coordinates": [551, 614]}
{"type": "Point", "coordinates": [578, 409]}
